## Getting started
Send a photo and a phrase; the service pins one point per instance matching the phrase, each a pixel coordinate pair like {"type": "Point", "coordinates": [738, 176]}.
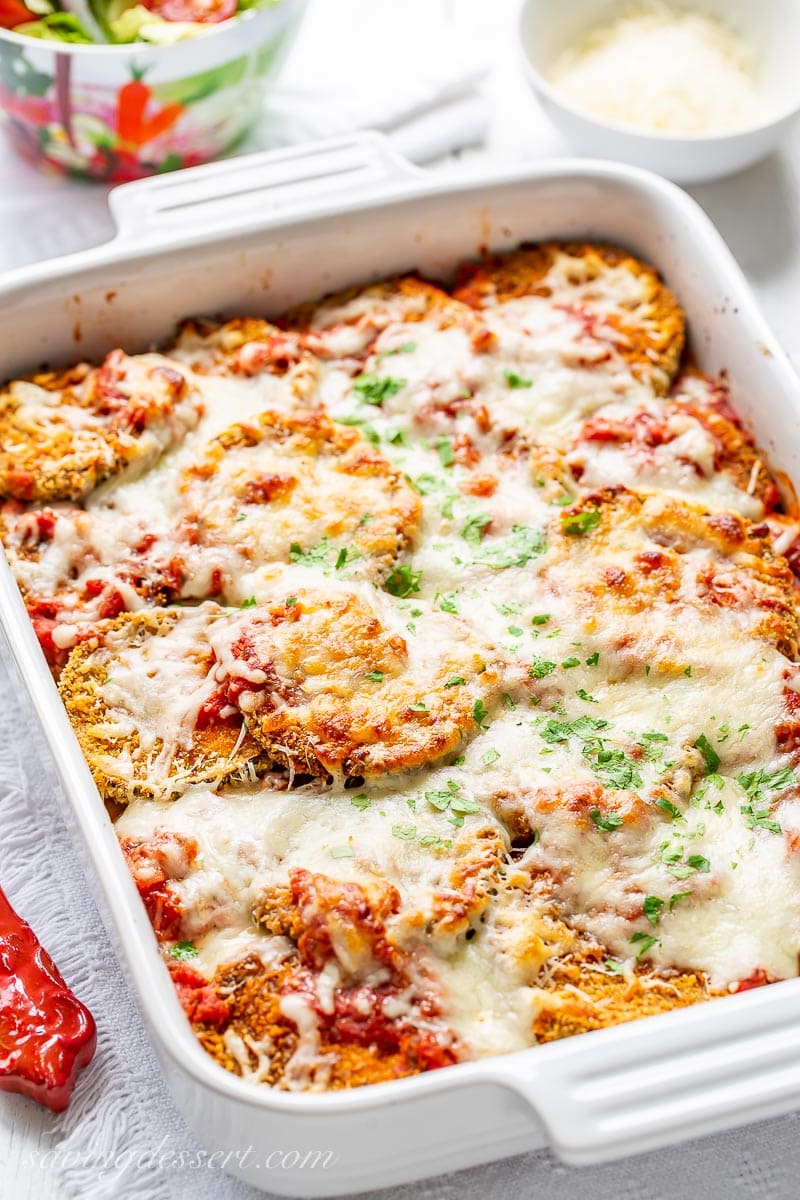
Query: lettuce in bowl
{"type": "Point", "coordinates": [159, 22]}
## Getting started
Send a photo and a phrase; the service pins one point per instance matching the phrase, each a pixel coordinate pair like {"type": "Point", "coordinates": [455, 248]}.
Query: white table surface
{"type": "Point", "coordinates": [758, 213]}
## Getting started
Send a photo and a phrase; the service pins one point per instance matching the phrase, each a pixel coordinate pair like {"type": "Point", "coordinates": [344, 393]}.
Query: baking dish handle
{"type": "Point", "coordinates": [276, 182]}
{"type": "Point", "coordinates": [626, 1090]}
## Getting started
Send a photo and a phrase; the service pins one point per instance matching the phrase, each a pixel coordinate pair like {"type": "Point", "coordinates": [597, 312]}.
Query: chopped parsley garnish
{"type": "Point", "coordinates": [677, 897]}
{"type": "Point", "coordinates": [669, 808]}
{"type": "Point", "coordinates": [582, 694]}
{"type": "Point", "coordinates": [447, 455]}
{"type": "Point", "coordinates": [250, 602]}
{"type": "Point", "coordinates": [455, 681]}
{"type": "Point", "coordinates": [593, 659]}
{"type": "Point", "coordinates": [291, 601]}
{"type": "Point", "coordinates": [612, 767]}
{"type": "Point", "coordinates": [406, 348]}
{"type": "Point", "coordinates": [491, 756]}
{"type": "Point", "coordinates": [374, 676]}
{"type": "Point", "coordinates": [540, 667]}
{"type": "Point", "coordinates": [341, 559]}
{"type": "Point", "coordinates": [710, 756]}
{"type": "Point", "coordinates": [507, 609]}
{"type": "Point", "coordinates": [762, 819]}
{"type": "Point", "coordinates": [183, 951]}
{"type": "Point", "coordinates": [433, 839]}
{"type": "Point", "coordinates": [756, 784]}
{"type": "Point", "coordinates": [582, 522]}
{"type": "Point", "coordinates": [514, 550]}
{"type": "Point", "coordinates": [652, 907]}
{"type": "Point", "coordinates": [607, 824]}
{"type": "Point", "coordinates": [424, 484]}
{"type": "Point", "coordinates": [473, 530]}
{"type": "Point", "coordinates": [540, 619]}
{"type": "Point", "coordinates": [342, 852]}
{"type": "Point", "coordinates": [314, 555]}
{"type": "Point", "coordinates": [515, 630]}
{"type": "Point", "coordinates": [508, 702]}
{"type": "Point", "coordinates": [452, 800]}
{"type": "Point", "coordinates": [516, 381]}
{"type": "Point", "coordinates": [571, 662]}
{"type": "Point", "coordinates": [369, 431]}
{"type": "Point", "coordinates": [406, 833]}
{"type": "Point", "coordinates": [615, 966]}
{"type": "Point", "coordinates": [420, 706]}
{"type": "Point", "coordinates": [447, 602]}
{"type": "Point", "coordinates": [360, 801]}
{"type": "Point", "coordinates": [403, 582]}
{"type": "Point", "coordinates": [585, 728]}
{"type": "Point", "coordinates": [687, 671]}
{"type": "Point", "coordinates": [374, 389]}
{"type": "Point", "coordinates": [480, 714]}
{"type": "Point", "coordinates": [671, 856]}
{"type": "Point", "coordinates": [645, 941]}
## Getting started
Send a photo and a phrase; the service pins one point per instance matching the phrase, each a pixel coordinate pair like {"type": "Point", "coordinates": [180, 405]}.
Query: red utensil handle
{"type": "Point", "coordinates": [46, 1035]}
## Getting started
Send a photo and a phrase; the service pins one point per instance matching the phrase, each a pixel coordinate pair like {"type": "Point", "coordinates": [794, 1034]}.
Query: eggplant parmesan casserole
{"type": "Point", "coordinates": [435, 651]}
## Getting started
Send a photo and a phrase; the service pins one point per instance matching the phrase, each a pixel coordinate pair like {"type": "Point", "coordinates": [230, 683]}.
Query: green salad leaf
{"type": "Point", "coordinates": [56, 27]}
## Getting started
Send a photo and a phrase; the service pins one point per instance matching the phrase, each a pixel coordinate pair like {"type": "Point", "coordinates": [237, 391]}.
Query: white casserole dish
{"type": "Point", "coordinates": [253, 236]}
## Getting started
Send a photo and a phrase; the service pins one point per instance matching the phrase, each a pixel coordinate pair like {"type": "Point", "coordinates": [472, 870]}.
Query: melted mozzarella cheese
{"type": "Point", "coordinates": [605, 706]}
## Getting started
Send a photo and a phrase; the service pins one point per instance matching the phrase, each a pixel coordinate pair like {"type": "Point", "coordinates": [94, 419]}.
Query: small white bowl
{"type": "Point", "coordinates": [771, 30]}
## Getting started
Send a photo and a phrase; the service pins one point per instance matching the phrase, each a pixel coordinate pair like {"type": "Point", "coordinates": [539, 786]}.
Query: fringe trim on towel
{"type": "Point", "coordinates": [121, 1117]}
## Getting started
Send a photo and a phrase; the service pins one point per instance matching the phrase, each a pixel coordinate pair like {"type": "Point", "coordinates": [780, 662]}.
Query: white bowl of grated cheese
{"type": "Point", "coordinates": [693, 89]}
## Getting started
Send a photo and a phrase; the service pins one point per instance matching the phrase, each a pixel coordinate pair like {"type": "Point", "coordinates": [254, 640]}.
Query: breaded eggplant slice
{"type": "Point", "coordinates": [582, 992]}
{"type": "Point", "coordinates": [77, 566]}
{"type": "Point", "coordinates": [144, 703]}
{"type": "Point", "coordinates": [63, 434]}
{"type": "Point", "coordinates": [689, 443]}
{"type": "Point", "coordinates": [350, 324]}
{"type": "Point", "coordinates": [621, 303]}
{"type": "Point", "coordinates": [337, 682]}
{"type": "Point", "coordinates": [298, 487]}
{"type": "Point", "coordinates": [242, 346]}
{"type": "Point", "coordinates": [653, 556]}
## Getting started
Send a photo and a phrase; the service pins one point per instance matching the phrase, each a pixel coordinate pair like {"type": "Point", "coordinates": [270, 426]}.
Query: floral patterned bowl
{"type": "Point", "coordinates": [121, 112]}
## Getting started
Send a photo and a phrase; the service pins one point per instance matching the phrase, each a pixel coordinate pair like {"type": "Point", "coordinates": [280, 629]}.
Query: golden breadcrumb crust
{"type": "Point", "coordinates": [640, 545]}
{"type": "Point", "coordinates": [245, 347]}
{"type": "Point", "coordinates": [107, 730]}
{"type": "Point", "coordinates": [282, 484]}
{"type": "Point", "coordinates": [61, 434]}
{"type": "Point", "coordinates": [652, 326]}
{"type": "Point", "coordinates": [581, 994]}
{"type": "Point", "coordinates": [402, 300]}
{"type": "Point", "coordinates": [337, 692]}
{"type": "Point", "coordinates": [254, 992]}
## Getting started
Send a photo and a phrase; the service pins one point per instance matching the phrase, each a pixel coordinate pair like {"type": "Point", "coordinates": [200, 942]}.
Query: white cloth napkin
{"type": "Point", "coordinates": [334, 82]}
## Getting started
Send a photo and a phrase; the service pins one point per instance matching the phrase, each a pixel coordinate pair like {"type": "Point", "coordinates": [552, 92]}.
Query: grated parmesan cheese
{"type": "Point", "coordinates": [661, 69]}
